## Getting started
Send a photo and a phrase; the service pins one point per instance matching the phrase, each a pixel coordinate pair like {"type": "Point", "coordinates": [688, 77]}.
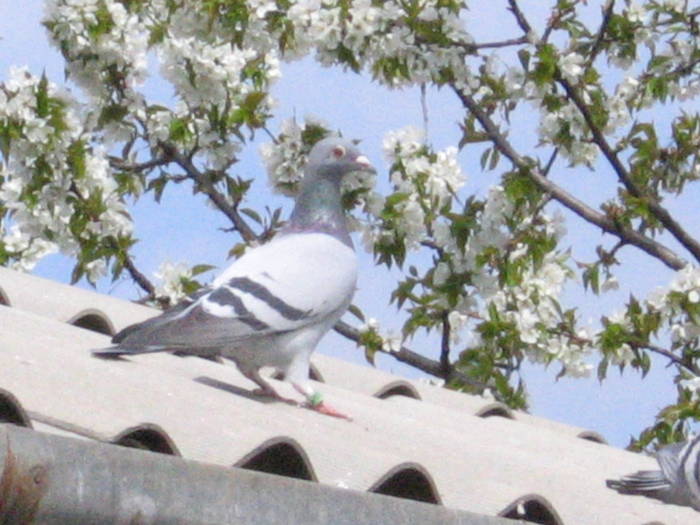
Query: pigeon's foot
{"type": "Point", "coordinates": [270, 392]}
{"type": "Point", "coordinates": [266, 389]}
{"type": "Point", "coordinates": [314, 401]}
{"type": "Point", "coordinates": [325, 408]}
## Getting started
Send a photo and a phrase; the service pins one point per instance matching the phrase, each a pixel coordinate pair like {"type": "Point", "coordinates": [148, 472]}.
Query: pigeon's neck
{"type": "Point", "coordinates": [318, 209]}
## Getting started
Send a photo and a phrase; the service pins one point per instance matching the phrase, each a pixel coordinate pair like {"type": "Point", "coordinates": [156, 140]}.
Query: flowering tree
{"type": "Point", "coordinates": [496, 265]}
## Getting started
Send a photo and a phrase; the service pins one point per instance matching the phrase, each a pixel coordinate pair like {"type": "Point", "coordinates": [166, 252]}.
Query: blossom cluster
{"type": "Point", "coordinates": [219, 87]}
{"type": "Point", "coordinates": [530, 303]}
{"type": "Point", "coordinates": [678, 304]}
{"type": "Point", "coordinates": [102, 42]}
{"type": "Point", "coordinates": [172, 280]}
{"type": "Point", "coordinates": [423, 182]}
{"type": "Point", "coordinates": [284, 159]}
{"type": "Point", "coordinates": [58, 190]}
{"type": "Point", "coordinates": [386, 37]}
{"type": "Point", "coordinates": [425, 185]}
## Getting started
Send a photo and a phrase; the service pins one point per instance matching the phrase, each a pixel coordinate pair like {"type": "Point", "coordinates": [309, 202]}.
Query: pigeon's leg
{"type": "Point", "coordinates": [265, 387]}
{"type": "Point", "coordinates": [314, 401]}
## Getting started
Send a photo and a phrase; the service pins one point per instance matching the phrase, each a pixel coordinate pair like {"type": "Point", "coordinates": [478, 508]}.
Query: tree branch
{"type": "Point", "coordinates": [598, 44]}
{"type": "Point", "coordinates": [661, 213]}
{"type": "Point", "coordinates": [664, 217]}
{"type": "Point", "coordinates": [138, 277]}
{"type": "Point", "coordinates": [688, 365]}
{"type": "Point", "coordinates": [472, 48]}
{"type": "Point", "coordinates": [519, 17]}
{"type": "Point", "coordinates": [143, 166]}
{"type": "Point", "coordinates": [445, 345]}
{"type": "Point", "coordinates": [408, 356]}
{"type": "Point", "coordinates": [630, 236]}
{"type": "Point", "coordinates": [208, 189]}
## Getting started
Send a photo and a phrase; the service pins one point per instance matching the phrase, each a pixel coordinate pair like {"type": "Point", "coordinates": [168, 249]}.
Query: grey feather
{"type": "Point", "coordinates": [677, 482]}
{"type": "Point", "coordinates": [271, 306]}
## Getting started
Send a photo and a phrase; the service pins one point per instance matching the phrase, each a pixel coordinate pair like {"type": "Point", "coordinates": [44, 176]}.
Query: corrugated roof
{"type": "Point", "coordinates": [407, 438]}
{"type": "Point", "coordinates": [55, 480]}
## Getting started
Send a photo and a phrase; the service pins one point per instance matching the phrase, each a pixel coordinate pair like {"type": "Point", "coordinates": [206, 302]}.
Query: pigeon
{"type": "Point", "coordinates": [677, 482]}
{"type": "Point", "coordinates": [271, 306]}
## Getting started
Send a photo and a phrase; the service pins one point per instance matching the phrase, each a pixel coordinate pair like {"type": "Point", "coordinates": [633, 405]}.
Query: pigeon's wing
{"type": "Point", "coordinates": [690, 471]}
{"type": "Point", "coordinates": [167, 316]}
{"type": "Point", "coordinates": [293, 281]}
{"type": "Point", "coordinates": [677, 482]}
{"type": "Point", "coordinates": [669, 458]}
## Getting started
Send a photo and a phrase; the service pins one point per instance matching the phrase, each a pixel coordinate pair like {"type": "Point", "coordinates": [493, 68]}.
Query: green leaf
{"type": "Point", "coordinates": [355, 310]}
{"type": "Point", "coordinates": [179, 130]}
{"type": "Point", "coordinates": [591, 278]}
{"type": "Point", "coordinates": [198, 269]}
{"type": "Point", "coordinates": [252, 214]}
{"type": "Point", "coordinates": [42, 97]}
{"type": "Point", "coordinates": [77, 159]}
{"type": "Point", "coordinates": [546, 65]}
{"type": "Point", "coordinates": [603, 369]}
{"type": "Point", "coordinates": [524, 56]}
{"type": "Point", "coordinates": [112, 113]}
{"type": "Point", "coordinates": [157, 185]}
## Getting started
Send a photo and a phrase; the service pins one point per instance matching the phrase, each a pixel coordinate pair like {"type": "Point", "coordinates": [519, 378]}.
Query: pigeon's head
{"type": "Point", "coordinates": [334, 157]}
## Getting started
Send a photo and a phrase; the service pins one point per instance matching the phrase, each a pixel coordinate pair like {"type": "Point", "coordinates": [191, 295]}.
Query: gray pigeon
{"type": "Point", "coordinates": [677, 482]}
{"type": "Point", "coordinates": [272, 306]}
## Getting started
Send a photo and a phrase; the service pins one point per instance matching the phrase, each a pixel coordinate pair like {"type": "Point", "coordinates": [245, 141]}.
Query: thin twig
{"type": "Point", "coordinates": [424, 109]}
{"type": "Point", "coordinates": [208, 189]}
{"type": "Point", "coordinates": [688, 365]}
{"type": "Point", "coordinates": [598, 44]}
{"type": "Point", "coordinates": [408, 356]}
{"type": "Point", "coordinates": [638, 345]}
{"type": "Point", "coordinates": [472, 48]}
{"type": "Point", "coordinates": [519, 16]}
{"type": "Point", "coordinates": [137, 276]}
{"type": "Point", "coordinates": [550, 162]}
{"type": "Point", "coordinates": [445, 345]}
{"type": "Point", "coordinates": [120, 164]}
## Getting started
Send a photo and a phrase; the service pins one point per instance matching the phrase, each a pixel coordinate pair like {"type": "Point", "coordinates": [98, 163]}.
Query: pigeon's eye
{"type": "Point", "coordinates": [338, 152]}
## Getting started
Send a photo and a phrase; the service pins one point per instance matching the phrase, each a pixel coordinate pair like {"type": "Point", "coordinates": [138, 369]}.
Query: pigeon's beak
{"type": "Point", "coordinates": [363, 164]}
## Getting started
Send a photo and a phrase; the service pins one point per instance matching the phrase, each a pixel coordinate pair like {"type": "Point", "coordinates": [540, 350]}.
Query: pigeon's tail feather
{"type": "Point", "coordinates": [118, 350]}
{"type": "Point", "coordinates": [650, 483]}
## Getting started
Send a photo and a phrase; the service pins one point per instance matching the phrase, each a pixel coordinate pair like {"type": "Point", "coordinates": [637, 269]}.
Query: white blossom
{"type": "Point", "coordinates": [572, 66]}
{"type": "Point", "coordinates": [610, 283]}
{"type": "Point", "coordinates": [171, 276]}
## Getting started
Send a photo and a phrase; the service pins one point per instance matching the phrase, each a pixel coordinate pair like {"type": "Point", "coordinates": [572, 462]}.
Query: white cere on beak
{"type": "Point", "coordinates": [363, 161]}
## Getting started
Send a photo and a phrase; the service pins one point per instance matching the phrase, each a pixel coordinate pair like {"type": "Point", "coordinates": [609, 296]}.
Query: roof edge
{"type": "Point", "coordinates": [89, 479]}
{"type": "Point", "coordinates": [281, 455]}
{"type": "Point", "coordinates": [399, 387]}
{"type": "Point", "coordinates": [12, 411]}
{"type": "Point", "coordinates": [93, 319]}
{"type": "Point", "coordinates": [147, 436]}
{"type": "Point", "coordinates": [534, 508]}
{"type": "Point", "coordinates": [408, 480]}
{"type": "Point", "coordinates": [495, 409]}
{"type": "Point", "coordinates": [592, 435]}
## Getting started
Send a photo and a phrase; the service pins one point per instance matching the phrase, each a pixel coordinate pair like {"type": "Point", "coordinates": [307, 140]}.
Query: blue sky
{"type": "Point", "coordinates": [183, 229]}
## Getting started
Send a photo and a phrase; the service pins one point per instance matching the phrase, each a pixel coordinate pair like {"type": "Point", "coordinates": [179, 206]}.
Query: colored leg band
{"type": "Point", "coordinates": [316, 399]}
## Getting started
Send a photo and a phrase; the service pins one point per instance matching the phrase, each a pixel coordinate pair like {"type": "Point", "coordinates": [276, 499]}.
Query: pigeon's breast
{"type": "Point", "coordinates": [294, 278]}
